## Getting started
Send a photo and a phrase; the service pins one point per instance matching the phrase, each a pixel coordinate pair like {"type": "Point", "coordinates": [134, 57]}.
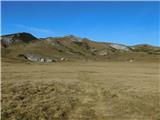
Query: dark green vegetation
{"type": "Point", "coordinates": [72, 48]}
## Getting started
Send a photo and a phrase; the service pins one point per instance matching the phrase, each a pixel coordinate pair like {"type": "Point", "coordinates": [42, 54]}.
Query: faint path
{"type": "Point", "coordinates": [92, 102]}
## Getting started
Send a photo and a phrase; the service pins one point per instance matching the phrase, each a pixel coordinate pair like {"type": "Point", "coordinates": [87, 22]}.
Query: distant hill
{"type": "Point", "coordinates": [16, 38]}
{"type": "Point", "coordinates": [145, 48]}
{"type": "Point", "coordinates": [71, 48]}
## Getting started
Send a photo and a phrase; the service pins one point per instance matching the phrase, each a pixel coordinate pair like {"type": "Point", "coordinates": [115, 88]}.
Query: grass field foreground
{"type": "Point", "coordinates": [81, 91]}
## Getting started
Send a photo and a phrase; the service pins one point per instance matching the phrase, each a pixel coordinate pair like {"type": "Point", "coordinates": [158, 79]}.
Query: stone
{"type": "Point", "coordinates": [37, 58]}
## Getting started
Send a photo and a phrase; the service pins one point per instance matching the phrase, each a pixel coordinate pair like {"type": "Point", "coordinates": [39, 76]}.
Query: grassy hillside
{"type": "Point", "coordinates": [73, 48]}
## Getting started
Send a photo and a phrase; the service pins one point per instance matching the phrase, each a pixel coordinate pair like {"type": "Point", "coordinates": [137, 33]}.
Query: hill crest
{"type": "Point", "coordinates": [71, 48]}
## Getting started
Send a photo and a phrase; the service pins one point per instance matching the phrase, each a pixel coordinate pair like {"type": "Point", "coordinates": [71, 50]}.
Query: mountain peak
{"type": "Point", "coordinates": [16, 38]}
{"type": "Point", "coordinates": [73, 38]}
{"type": "Point", "coordinates": [17, 34]}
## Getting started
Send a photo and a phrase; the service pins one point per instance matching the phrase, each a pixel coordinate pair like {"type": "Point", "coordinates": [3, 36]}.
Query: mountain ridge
{"type": "Point", "coordinates": [72, 47]}
{"type": "Point", "coordinates": [75, 37]}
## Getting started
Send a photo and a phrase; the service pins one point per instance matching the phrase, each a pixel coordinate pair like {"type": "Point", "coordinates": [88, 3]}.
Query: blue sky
{"type": "Point", "coordinates": [119, 22]}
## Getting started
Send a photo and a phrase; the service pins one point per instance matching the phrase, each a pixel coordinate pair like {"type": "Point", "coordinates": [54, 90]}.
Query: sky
{"type": "Point", "coordinates": [127, 23]}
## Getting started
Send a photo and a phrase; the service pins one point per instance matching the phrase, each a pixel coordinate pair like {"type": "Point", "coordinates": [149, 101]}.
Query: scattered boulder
{"type": "Point", "coordinates": [131, 60]}
{"type": "Point", "coordinates": [62, 59]}
{"type": "Point", "coordinates": [49, 60]}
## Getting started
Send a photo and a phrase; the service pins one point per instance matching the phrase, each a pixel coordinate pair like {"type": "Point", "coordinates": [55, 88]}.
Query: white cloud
{"type": "Point", "coordinates": [34, 29]}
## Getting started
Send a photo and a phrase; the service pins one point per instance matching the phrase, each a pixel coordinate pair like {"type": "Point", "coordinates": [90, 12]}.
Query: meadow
{"type": "Point", "coordinates": [80, 91]}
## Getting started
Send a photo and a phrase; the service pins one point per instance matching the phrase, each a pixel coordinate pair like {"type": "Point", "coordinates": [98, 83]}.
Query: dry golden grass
{"type": "Point", "coordinates": [80, 91]}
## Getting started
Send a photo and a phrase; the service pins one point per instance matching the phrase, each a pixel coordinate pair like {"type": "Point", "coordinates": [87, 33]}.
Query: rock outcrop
{"type": "Point", "coordinates": [37, 58]}
{"type": "Point", "coordinates": [120, 47]}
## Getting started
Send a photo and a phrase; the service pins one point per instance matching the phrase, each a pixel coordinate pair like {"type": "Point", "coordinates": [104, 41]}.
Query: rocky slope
{"type": "Point", "coordinates": [14, 46]}
{"type": "Point", "coordinates": [16, 38]}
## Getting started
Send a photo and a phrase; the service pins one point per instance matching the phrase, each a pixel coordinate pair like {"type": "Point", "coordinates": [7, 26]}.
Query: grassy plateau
{"type": "Point", "coordinates": [80, 91]}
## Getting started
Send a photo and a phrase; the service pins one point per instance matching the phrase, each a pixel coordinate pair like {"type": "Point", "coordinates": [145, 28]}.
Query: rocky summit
{"type": "Point", "coordinates": [16, 38]}
{"type": "Point", "coordinates": [26, 47]}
